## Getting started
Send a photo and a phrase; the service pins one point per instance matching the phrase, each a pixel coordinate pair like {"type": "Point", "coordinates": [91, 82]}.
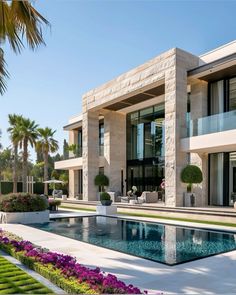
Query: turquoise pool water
{"type": "Point", "coordinates": [163, 243]}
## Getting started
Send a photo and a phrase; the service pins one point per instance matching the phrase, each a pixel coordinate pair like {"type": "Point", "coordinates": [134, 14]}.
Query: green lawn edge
{"type": "Point", "coordinates": [14, 280]}
{"type": "Point", "coordinates": [159, 217]}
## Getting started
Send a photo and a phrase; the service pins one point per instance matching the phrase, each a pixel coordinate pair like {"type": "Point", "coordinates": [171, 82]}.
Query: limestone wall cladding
{"type": "Point", "coordinates": [175, 124]}
{"type": "Point", "coordinates": [169, 68]}
{"type": "Point", "coordinates": [143, 76]}
{"type": "Point", "coordinates": [90, 154]}
{"type": "Point", "coordinates": [115, 148]}
{"type": "Point", "coordinates": [198, 101]}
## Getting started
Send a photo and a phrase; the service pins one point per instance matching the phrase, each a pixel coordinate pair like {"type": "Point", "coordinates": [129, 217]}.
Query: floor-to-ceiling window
{"type": "Point", "coordinates": [222, 179]}
{"type": "Point", "coordinates": [216, 168]}
{"type": "Point", "coordinates": [222, 166]}
{"type": "Point", "coordinates": [101, 138]}
{"type": "Point", "coordinates": [145, 148]}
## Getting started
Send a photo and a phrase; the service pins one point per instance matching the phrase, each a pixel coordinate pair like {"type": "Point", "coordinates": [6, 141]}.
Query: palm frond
{"type": "Point", "coordinates": [28, 22]}
{"type": "Point", "coordinates": [3, 73]}
{"type": "Point", "coordinates": [9, 28]}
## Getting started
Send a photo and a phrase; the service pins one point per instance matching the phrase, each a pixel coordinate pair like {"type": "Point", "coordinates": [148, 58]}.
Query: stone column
{"type": "Point", "coordinates": [73, 183]}
{"type": "Point", "coordinates": [115, 149]}
{"type": "Point", "coordinates": [175, 124]}
{"type": "Point", "coordinates": [73, 174]}
{"type": "Point", "coordinates": [198, 103]}
{"type": "Point", "coordinates": [90, 154]}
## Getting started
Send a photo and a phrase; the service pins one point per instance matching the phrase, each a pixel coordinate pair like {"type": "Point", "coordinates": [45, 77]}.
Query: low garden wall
{"type": "Point", "coordinates": [24, 208]}
{"type": "Point", "coordinates": [24, 217]}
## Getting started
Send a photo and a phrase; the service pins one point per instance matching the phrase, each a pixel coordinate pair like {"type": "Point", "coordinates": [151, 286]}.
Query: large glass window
{"type": "Point", "coordinates": [101, 138]}
{"type": "Point", "coordinates": [232, 94]}
{"type": "Point", "coordinates": [145, 148]}
{"type": "Point", "coordinates": [216, 178]}
{"type": "Point", "coordinates": [222, 179]}
{"type": "Point", "coordinates": [145, 133]}
{"type": "Point", "coordinates": [222, 96]}
{"type": "Point", "coordinates": [217, 97]}
{"type": "Point", "coordinates": [80, 142]}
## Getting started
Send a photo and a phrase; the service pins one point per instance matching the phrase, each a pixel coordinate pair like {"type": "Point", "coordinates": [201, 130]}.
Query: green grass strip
{"type": "Point", "coordinates": [13, 280]}
{"type": "Point", "coordinates": [161, 217]}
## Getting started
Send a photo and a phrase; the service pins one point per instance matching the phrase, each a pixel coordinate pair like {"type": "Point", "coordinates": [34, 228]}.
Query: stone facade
{"type": "Point", "coordinates": [169, 70]}
{"type": "Point", "coordinates": [115, 149]}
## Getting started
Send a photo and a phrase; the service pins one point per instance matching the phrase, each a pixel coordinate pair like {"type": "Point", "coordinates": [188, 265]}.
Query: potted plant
{"type": "Point", "coordinates": [190, 175]}
{"type": "Point", "coordinates": [105, 199]}
{"type": "Point", "coordinates": [53, 204]}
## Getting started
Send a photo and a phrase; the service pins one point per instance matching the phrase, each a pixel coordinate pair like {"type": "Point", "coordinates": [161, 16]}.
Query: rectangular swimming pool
{"type": "Point", "coordinates": [168, 244]}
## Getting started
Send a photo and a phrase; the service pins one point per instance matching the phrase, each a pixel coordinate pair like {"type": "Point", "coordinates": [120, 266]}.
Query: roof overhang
{"type": "Point", "coordinates": [223, 67]}
{"type": "Point", "coordinates": [141, 96]}
{"type": "Point", "coordinates": [73, 126]}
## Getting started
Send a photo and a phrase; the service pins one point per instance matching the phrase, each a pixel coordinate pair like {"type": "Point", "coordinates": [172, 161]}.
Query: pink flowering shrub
{"type": "Point", "coordinates": [97, 281]}
{"type": "Point", "coordinates": [23, 202]}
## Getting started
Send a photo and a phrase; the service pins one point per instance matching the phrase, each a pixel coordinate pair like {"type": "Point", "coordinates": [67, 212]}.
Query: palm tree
{"type": "Point", "coordinates": [46, 144]}
{"type": "Point", "coordinates": [28, 134]}
{"type": "Point", "coordinates": [19, 21]}
{"type": "Point", "coordinates": [14, 130]}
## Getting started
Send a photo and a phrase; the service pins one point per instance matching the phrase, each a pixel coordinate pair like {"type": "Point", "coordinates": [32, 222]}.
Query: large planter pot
{"type": "Point", "coordinates": [189, 199]}
{"type": "Point", "coordinates": [106, 210]}
{"type": "Point", "coordinates": [106, 202]}
{"type": "Point", "coordinates": [24, 217]}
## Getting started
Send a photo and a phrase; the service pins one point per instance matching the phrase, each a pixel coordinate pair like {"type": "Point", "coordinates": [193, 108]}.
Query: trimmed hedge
{"type": "Point", "coordinates": [49, 272]}
{"type": "Point", "coordinates": [7, 188]}
{"type": "Point", "coordinates": [23, 203]}
{"type": "Point", "coordinates": [63, 270]}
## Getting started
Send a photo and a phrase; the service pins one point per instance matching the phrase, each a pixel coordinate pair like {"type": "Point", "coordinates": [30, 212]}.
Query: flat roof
{"type": "Point", "coordinates": [226, 65]}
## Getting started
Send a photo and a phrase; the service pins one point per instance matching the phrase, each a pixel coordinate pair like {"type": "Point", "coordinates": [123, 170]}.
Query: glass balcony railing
{"type": "Point", "coordinates": [212, 124]}
{"type": "Point", "coordinates": [76, 153]}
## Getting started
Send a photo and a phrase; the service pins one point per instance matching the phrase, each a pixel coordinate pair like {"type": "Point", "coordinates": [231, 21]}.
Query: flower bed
{"type": "Point", "coordinates": [63, 270]}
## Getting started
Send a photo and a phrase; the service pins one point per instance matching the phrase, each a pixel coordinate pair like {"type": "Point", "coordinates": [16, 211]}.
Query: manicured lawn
{"type": "Point", "coordinates": [13, 280]}
{"type": "Point", "coordinates": [158, 216]}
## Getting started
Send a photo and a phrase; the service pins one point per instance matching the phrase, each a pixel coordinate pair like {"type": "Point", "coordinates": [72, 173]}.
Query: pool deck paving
{"type": "Point", "coordinates": [212, 275]}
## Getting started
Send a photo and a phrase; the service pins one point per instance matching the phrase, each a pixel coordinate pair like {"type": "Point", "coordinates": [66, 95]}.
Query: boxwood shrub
{"type": "Point", "coordinates": [23, 203]}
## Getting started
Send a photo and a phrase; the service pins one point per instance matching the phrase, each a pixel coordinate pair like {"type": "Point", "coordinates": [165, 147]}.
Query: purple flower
{"type": "Point", "coordinates": [95, 278]}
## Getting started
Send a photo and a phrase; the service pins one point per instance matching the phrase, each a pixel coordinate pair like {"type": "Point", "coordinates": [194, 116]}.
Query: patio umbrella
{"type": "Point", "coordinates": [54, 181]}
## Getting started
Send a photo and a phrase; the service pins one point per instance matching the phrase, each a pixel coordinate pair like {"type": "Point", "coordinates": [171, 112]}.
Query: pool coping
{"type": "Point", "coordinates": [189, 224]}
{"type": "Point", "coordinates": [147, 221]}
{"type": "Point", "coordinates": [155, 276]}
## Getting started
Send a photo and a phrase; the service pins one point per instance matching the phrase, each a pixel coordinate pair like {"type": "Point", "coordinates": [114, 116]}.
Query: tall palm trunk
{"type": "Point", "coordinates": [25, 165]}
{"type": "Point", "coordinates": [45, 158]}
{"type": "Point", "coordinates": [15, 176]}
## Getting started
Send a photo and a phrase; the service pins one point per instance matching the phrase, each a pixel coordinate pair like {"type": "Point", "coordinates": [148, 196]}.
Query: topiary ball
{"type": "Point", "coordinates": [191, 174]}
{"type": "Point", "coordinates": [101, 180]}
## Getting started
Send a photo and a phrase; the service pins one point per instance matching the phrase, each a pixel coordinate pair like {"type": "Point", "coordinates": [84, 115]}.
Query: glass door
{"type": "Point", "coordinates": [232, 178]}
{"type": "Point", "coordinates": [217, 101]}
{"type": "Point", "coordinates": [216, 169]}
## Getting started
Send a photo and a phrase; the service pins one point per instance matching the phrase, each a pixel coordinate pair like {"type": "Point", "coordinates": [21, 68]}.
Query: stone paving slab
{"type": "Point", "coordinates": [212, 275]}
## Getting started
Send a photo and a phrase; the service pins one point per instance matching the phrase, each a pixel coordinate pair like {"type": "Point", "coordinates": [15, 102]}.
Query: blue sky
{"type": "Point", "coordinates": [91, 42]}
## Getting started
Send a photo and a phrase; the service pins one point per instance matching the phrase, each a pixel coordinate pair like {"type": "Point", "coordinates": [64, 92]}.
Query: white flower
{"type": "Point", "coordinates": [134, 188]}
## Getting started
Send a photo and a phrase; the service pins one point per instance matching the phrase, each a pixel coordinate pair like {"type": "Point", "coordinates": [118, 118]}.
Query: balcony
{"type": "Point", "coordinates": [212, 124]}
{"type": "Point", "coordinates": [72, 160]}
{"type": "Point", "coordinates": [216, 133]}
